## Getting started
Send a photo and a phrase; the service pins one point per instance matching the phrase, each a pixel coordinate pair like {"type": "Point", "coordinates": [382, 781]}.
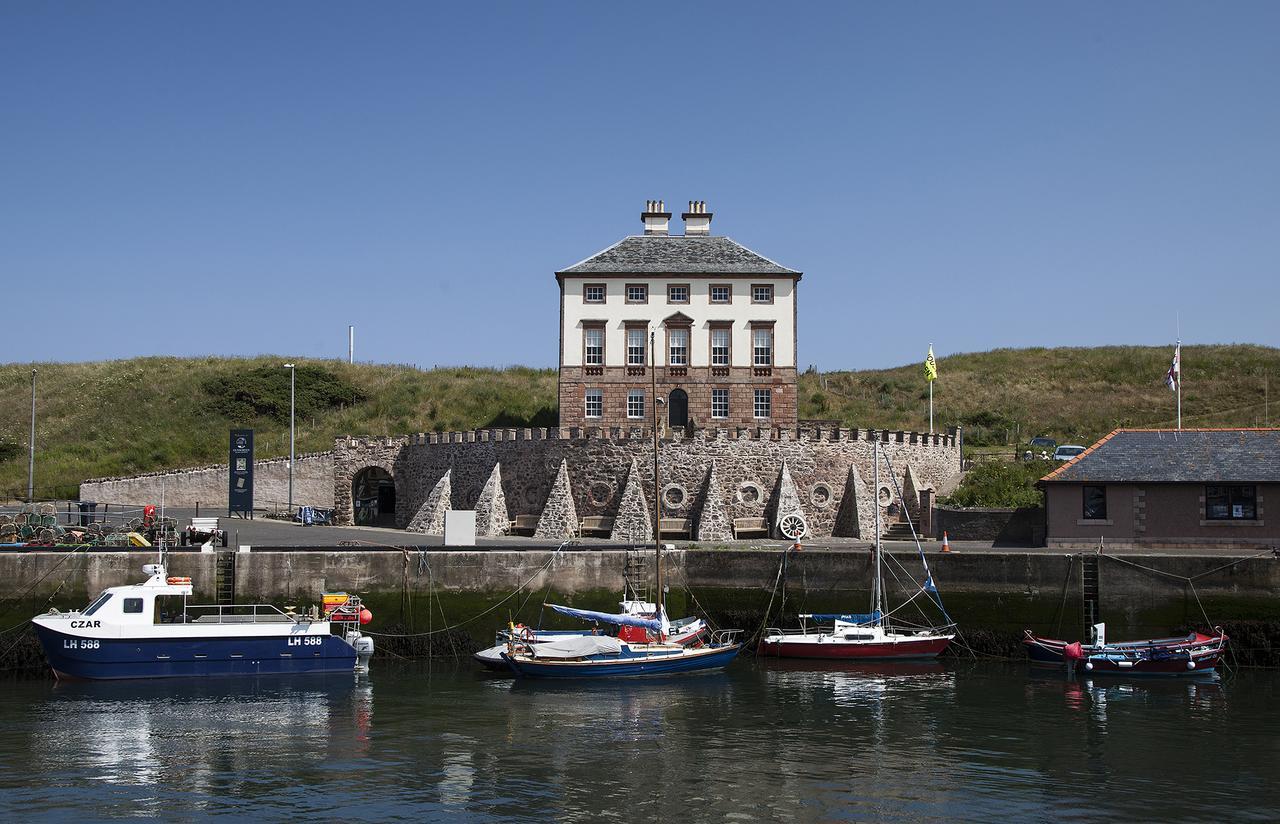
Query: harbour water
{"type": "Point", "coordinates": [762, 741]}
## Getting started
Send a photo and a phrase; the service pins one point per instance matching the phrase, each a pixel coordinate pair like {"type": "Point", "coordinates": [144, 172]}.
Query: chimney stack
{"type": "Point", "coordinates": [697, 221]}
{"type": "Point", "coordinates": [655, 218]}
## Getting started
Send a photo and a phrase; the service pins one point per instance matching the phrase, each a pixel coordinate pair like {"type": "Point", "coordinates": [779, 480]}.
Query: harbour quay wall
{"type": "Point", "coordinates": [208, 485]}
{"type": "Point", "coordinates": [992, 595]}
{"type": "Point", "coordinates": [709, 476]}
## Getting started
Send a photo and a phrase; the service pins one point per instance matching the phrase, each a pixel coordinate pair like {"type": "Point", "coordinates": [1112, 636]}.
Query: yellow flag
{"type": "Point", "coordinates": [930, 366]}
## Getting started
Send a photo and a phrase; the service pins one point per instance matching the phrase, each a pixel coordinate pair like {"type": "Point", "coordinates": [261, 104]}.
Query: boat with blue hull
{"type": "Point", "coordinates": [607, 656]}
{"type": "Point", "coordinates": [623, 660]}
{"type": "Point", "coordinates": [148, 630]}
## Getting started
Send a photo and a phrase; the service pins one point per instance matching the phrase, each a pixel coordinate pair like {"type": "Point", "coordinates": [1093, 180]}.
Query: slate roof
{"type": "Point", "coordinates": [672, 254]}
{"type": "Point", "coordinates": [1169, 456]}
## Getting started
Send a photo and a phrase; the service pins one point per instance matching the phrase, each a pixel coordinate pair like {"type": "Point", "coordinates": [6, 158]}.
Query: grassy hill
{"type": "Point", "coordinates": [124, 417]}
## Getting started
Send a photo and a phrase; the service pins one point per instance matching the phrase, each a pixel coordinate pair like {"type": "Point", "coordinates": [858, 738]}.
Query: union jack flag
{"type": "Point", "coordinates": [1174, 376]}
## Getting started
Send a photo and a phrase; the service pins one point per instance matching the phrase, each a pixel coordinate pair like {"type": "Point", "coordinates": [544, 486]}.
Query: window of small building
{"type": "Point", "coordinates": [678, 293]}
{"type": "Point", "coordinates": [635, 403]}
{"type": "Point", "coordinates": [595, 403]}
{"type": "Point", "coordinates": [133, 605]}
{"type": "Point", "coordinates": [1231, 503]}
{"type": "Point", "coordinates": [1095, 503]}
{"type": "Point", "coordinates": [593, 293]}
{"type": "Point", "coordinates": [637, 293]}
{"type": "Point", "coordinates": [761, 293]}
{"type": "Point", "coordinates": [721, 293]}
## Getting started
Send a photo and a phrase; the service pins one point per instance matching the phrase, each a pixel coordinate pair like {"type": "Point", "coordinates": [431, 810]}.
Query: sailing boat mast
{"type": "Point", "coordinates": [876, 595]}
{"type": "Point", "coordinates": [659, 598]}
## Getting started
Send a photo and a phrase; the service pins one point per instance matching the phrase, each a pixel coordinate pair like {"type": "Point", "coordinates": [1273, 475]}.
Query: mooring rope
{"type": "Point", "coordinates": [479, 615]}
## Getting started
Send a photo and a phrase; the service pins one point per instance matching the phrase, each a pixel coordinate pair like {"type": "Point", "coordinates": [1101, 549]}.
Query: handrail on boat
{"type": "Point", "coordinates": [222, 613]}
{"type": "Point", "coordinates": [725, 636]}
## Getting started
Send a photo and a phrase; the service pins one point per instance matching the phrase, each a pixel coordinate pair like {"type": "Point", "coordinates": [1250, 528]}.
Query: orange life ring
{"type": "Point", "coordinates": [176, 580]}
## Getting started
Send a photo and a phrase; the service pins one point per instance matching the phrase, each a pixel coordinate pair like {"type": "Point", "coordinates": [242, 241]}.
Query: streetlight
{"type": "Point", "coordinates": [31, 461]}
{"type": "Point", "coordinates": [292, 373]}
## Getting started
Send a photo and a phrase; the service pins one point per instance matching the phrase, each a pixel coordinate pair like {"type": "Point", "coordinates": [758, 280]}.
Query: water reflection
{"type": "Point", "coordinates": [763, 740]}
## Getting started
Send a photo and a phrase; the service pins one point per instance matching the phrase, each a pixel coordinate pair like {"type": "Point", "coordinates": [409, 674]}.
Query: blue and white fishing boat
{"type": "Point", "coordinates": [604, 656]}
{"type": "Point", "coordinates": [148, 630]}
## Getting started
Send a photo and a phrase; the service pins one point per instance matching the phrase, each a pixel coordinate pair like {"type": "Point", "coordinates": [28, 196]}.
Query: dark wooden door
{"type": "Point", "coordinates": [678, 408]}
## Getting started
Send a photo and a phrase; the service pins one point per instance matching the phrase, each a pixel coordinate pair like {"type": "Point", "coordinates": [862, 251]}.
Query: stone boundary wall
{"type": "Point", "coordinates": [1024, 526]}
{"type": "Point", "coordinates": [830, 472]}
{"type": "Point", "coordinates": [207, 485]}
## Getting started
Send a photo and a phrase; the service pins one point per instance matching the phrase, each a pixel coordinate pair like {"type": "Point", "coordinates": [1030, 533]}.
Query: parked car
{"type": "Point", "coordinates": [1039, 447]}
{"type": "Point", "coordinates": [1067, 451]}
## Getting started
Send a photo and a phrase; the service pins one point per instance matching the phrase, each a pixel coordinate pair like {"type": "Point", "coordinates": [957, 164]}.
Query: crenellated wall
{"type": "Point", "coordinates": [831, 471]}
{"type": "Point", "coordinates": [207, 485]}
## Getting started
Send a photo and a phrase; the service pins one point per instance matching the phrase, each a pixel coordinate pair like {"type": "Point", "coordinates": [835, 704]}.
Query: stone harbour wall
{"type": "Point", "coordinates": [709, 477]}
{"type": "Point", "coordinates": [207, 485]}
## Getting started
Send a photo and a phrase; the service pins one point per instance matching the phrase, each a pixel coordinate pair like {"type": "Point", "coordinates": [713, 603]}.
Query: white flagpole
{"type": "Point", "coordinates": [1178, 382]}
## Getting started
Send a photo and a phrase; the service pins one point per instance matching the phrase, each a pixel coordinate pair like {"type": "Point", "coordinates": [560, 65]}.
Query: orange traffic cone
{"type": "Point", "coordinates": [946, 544]}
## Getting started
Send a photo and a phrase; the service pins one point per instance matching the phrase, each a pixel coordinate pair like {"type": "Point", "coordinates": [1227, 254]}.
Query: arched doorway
{"type": "Point", "coordinates": [678, 408]}
{"type": "Point", "coordinates": [373, 497]}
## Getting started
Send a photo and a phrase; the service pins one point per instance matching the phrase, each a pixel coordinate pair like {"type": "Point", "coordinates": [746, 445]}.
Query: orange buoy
{"type": "Point", "coordinates": [365, 616]}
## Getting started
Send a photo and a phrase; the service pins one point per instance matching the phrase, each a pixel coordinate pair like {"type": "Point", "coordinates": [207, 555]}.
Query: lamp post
{"type": "Point", "coordinates": [31, 460]}
{"type": "Point", "coordinates": [292, 374]}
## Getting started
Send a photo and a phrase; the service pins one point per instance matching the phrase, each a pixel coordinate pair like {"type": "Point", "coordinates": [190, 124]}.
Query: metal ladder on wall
{"type": "Point", "coordinates": [635, 575]}
{"type": "Point", "coordinates": [225, 578]}
{"type": "Point", "coordinates": [1088, 594]}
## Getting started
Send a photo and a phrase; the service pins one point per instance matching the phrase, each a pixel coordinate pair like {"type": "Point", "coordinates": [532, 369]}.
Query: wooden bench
{"type": "Point", "coordinates": [596, 524]}
{"type": "Point", "coordinates": [755, 527]}
{"type": "Point", "coordinates": [676, 527]}
{"type": "Point", "coordinates": [524, 524]}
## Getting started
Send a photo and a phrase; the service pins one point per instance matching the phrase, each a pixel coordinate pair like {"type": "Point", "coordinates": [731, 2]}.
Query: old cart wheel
{"type": "Point", "coordinates": [793, 526]}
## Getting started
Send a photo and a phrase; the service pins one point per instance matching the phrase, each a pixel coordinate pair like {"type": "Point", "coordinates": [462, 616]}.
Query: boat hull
{"type": "Point", "coordinates": [874, 651]}
{"type": "Point", "coordinates": [630, 666]}
{"type": "Point", "coordinates": [83, 658]}
{"type": "Point", "coordinates": [1051, 651]}
{"type": "Point", "coordinates": [1174, 666]}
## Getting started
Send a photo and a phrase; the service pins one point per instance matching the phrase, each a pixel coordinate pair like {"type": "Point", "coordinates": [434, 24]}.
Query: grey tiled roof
{"type": "Point", "coordinates": [663, 254]}
{"type": "Point", "coordinates": [1168, 456]}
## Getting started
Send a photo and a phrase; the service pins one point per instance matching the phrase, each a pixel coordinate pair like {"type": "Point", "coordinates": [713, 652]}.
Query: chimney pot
{"type": "Point", "coordinates": [697, 221]}
{"type": "Point", "coordinates": [656, 220]}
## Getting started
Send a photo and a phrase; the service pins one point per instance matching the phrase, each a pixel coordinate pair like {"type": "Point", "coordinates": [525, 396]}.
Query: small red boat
{"type": "Point", "coordinates": [853, 637]}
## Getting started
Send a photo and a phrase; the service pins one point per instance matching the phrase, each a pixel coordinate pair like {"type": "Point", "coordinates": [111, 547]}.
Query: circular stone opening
{"type": "Point", "coordinates": [886, 495]}
{"type": "Point", "coordinates": [820, 495]}
{"type": "Point", "coordinates": [749, 492]}
{"type": "Point", "coordinates": [674, 496]}
{"type": "Point", "coordinates": [600, 493]}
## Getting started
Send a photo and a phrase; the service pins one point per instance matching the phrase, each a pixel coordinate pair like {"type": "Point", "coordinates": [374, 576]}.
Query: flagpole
{"type": "Point", "coordinates": [1178, 383]}
{"type": "Point", "coordinates": [929, 380]}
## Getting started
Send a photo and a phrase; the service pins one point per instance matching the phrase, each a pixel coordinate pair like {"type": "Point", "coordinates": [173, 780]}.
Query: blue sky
{"type": "Point", "coordinates": [243, 178]}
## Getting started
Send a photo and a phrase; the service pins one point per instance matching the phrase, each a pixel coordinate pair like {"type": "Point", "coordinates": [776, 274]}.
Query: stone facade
{"type": "Point", "coordinates": [737, 472]}
{"type": "Point", "coordinates": [207, 485]}
{"type": "Point", "coordinates": [697, 382]}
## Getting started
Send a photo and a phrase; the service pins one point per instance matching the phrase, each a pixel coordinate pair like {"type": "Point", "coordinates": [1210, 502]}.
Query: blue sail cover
{"type": "Point", "coordinates": [609, 618]}
{"type": "Point", "coordinates": [847, 617]}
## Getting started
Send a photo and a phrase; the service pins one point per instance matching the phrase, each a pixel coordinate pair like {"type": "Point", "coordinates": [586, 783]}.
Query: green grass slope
{"type": "Point", "coordinates": [141, 415]}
